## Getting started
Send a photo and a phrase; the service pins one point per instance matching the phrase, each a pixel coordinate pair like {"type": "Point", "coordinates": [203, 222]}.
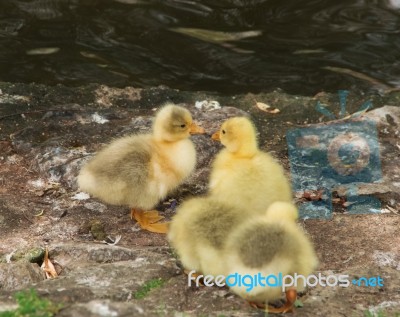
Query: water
{"type": "Point", "coordinates": [301, 46]}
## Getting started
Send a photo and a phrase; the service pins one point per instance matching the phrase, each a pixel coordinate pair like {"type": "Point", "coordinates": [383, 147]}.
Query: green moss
{"type": "Point", "coordinates": [30, 305]}
{"type": "Point", "coordinates": [147, 287]}
{"type": "Point", "coordinates": [298, 303]}
{"type": "Point", "coordinates": [97, 230]}
{"type": "Point", "coordinates": [379, 313]}
{"type": "Point", "coordinates": [33, 255]}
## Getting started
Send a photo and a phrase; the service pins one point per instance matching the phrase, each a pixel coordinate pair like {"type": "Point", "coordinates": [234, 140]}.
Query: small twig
{"type": "Point", "coordinates": [36, 111]}
{"type": "Point", "coordinates": [21, 113]}
{"type": "Point", "coordinates": [74, 158]}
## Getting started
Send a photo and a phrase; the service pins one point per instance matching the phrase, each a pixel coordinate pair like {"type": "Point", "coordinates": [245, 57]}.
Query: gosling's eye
{"type": "Point", "coordinates": [223, 131]}
{"type": "Point", "coordinates": [183, 125]}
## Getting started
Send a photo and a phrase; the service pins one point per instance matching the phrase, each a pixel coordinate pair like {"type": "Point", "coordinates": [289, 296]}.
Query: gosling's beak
{"type": "Point", "coordinates": [195, 129]}
{"type": "Point", "coordinates": [216, 137]}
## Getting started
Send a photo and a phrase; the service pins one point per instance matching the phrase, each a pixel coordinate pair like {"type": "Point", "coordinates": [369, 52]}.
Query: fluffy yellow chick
{"type": "Point", "coordinates": [242, 175]}
{"type": "Point", "coordinates": [198, 233]}
{"type": "Point", "coordinates": [140, 170]}
{"type": "Point", "coordinates": [270, 244]}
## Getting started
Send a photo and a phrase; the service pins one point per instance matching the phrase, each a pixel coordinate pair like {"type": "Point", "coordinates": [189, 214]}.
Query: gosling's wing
{"type": "Point", "coordinates": [259, 244]}
{"type": "Point", "coordinates": [125, 159]}
{"type": "Point", "coordinates": [214, 221]}
{"type": "Point", "coordinates": [118, 174]}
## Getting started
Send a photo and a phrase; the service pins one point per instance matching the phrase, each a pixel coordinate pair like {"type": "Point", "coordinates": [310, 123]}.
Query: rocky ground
{"type": "Point", "coordinates": [47, 133]}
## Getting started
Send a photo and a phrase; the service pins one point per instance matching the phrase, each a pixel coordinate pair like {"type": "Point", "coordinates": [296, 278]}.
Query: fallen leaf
{"type": "Point", "coordinates": [312, 195]}
{"type": "Point", "coordinates": [267, 108]}
{"type": "Point", "coordinates": [111, 241]}
{"type": "Point", "coordinates": [48, 267]}
{"type": "Point", "coordinates": [39, 213]}
{"type": "Point", "coordinates": [274, 110]}
{"type": "Point", "coordinates": [262, 106]}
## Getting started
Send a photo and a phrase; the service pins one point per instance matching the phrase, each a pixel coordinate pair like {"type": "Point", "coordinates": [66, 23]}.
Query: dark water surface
{"type": "Point", "coordinates": [228, 46]}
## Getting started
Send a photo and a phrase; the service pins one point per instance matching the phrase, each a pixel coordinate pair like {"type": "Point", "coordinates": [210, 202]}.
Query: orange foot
{"type": "Point", "coordinates": [288, 307]}
{"type": "Point", "coordinates": [148, 220]}
{"type": "Point", "coordinates": [195, 276]}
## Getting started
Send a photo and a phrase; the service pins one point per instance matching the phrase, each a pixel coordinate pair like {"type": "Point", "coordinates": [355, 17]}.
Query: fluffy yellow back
{"type": "Point", "coordinates": [269, 246]}
{"type": "Point", "coordinates": [282, 210]}
{"type": "Point", "coordinates": [198, 233]}
{"type": "Point", "coordinates": [252, 183]}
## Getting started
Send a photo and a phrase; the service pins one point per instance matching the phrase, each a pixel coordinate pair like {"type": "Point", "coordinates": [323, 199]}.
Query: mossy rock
{"type": "Point", "coordinates": [97, 230]}
{"type": "Point", "coordinates": [32, 255]}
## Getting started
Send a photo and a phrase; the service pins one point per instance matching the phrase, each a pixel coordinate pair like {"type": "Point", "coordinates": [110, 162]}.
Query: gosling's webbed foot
{"type": "Point", "coordinates": [195, 276]}
{"type": "Point", "coordinates": [288, 307]}
{"type": "Point", "coordinates": [149, 220]}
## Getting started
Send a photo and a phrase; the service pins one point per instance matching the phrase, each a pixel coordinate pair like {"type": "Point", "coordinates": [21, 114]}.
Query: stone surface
{"type": "Point", "coordinates": [47, 133]}
{"type": "Point", "coordinates": [19, 275]}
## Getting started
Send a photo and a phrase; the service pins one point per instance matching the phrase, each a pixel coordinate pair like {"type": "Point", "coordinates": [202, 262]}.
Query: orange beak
{"type": "Point", "coordinates": [195, 129]}
{"type": "Point", "coordinates": [216, 137]}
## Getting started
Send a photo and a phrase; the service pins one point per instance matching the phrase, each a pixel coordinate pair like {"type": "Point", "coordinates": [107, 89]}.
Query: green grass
{"type": "Point", "coordinates": [379, 313]}
{"type": "Point", "coordinates": [31, 305]}
{"type": "Point", "coordinates": [147, 287]}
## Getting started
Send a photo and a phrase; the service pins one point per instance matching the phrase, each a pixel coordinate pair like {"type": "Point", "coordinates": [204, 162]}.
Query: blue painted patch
{"type": "Point", "coordinates": [325, 156]}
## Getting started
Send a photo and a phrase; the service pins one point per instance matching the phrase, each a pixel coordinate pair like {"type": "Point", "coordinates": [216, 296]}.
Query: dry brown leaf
{"type": "Point", "coordinates": [310, 195]}
{"type": "Point", "coordinates": [262, 106]}
{"type": "Point", "coordinates": [40, 213]}
{"type": "Point", "coordinates": [267, 108]}
{"type": "Point", "coordinates": [274, 111]}
{"type": "Point", "coordinates": [48, 267]}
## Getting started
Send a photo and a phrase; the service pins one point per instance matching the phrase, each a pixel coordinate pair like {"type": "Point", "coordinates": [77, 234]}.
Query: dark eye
{"type": "Point", "coordinates": [183, 125]}
{"type": "Point", "coordinates": [223, 131]}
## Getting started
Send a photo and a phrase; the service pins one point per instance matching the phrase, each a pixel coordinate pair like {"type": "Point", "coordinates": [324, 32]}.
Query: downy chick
{"type": "Point", "coordinates": [198, 233]}
{"type": "Point", "coordinates": [241, 174]}
{"type": "Point", "coordinates": [270, 244]}
{"type": "Point", "coordinates": [140, 170]}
